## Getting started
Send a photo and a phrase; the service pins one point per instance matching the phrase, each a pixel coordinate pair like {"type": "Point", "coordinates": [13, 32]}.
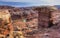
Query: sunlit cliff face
{"type": "Point", "coordinates": [55, 17]}
{"type": "Point", "coordinates": [4, 16]}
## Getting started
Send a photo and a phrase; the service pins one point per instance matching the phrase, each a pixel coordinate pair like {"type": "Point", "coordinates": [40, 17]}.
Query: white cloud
{"type": "Point", "coordinates": [52, 2]}
{"type": "Point", "coordinates": [21, 0]}
{"type": "Point", "coordinates": [37, 2]}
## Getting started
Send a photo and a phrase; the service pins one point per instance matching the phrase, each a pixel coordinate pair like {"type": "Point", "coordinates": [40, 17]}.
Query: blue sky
{"type": "Point", "coordinates": [25, 3]}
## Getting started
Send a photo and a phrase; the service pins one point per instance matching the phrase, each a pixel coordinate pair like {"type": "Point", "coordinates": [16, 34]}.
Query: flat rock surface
{"type": "Point", "coordinates": [46, 33]}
